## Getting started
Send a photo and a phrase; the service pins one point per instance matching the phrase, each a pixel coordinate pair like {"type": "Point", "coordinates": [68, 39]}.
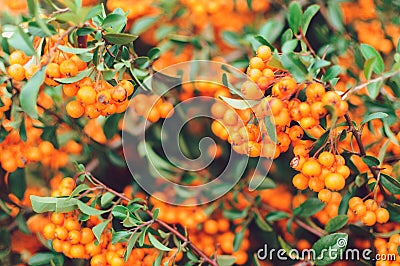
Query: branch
{"type": "Point", "coordinates": [162, 223]}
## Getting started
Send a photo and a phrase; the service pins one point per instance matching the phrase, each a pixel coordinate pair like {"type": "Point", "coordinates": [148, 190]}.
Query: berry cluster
{"type": "Point", "coordinates": [152, 107]}
{"type": "Point", "coordinates": [384, 248]}
{"type": "Point", "coordinates": [94, 99]}
{"type": "Point", "coordinates": [328, 171]}
{"type": "Point", "coordinates": [368, 211]}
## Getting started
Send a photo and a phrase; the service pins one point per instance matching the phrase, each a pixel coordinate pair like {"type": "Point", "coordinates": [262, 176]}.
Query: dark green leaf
{"type": "Point", "coordinates": [336, 223]}
{"type": "Point", "coordinates": [337, 242]}
{"type": "Point", "coordinates": [17, 183]}
{"type": "Point", "coordinates": [370, 160]}
{"type": "Point", "coordinates": [131, 243]}
{"type": "Point", "coordinates": [231, 38]}
{"type": "Point", "coordinates": [120, 38]}
{"type": "Point", "coordinates": [276, 216]}
{"type": "Point", "coordinates": [262, 224]}
{"type": "Point", "coordinates": [40, 259]}
{"type": "Point", "coordinates": [368, 67]}
{"type": "Point", "coordinates": [106, 199]}
{"type": "Point", "coordinates": [120, 212]}
{"type": "Point", "coordinates": [263, 41]}
{"type": "Point", "coordinates": [377, 115]}
{"type": "Point", "coordinates": [237, 241]}
{"type": "Point", "coordinates": [308, 208]}
{"type": "Point", "coordinates": [390, 183]}
{"type": "Point", "coordinates": [114, 23]}
{"type": "Point", "coordinates": [331, 73]}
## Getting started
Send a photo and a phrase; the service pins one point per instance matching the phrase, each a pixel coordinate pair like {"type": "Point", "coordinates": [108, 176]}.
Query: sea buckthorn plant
{"type": "Point", "coordinates": [318, 110]}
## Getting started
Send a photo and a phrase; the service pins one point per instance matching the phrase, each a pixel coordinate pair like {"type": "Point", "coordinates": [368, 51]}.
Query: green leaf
{"type": "Point", "coordinates": [143, 24]}
{"type": "Point", "coordinates": [272, 29]}
{"type": "Point", "coordinates": [239, 104]}
{"type": "Point", "coordinates": [231, 38]}
{"type": "Point", "coordinates": [17, 183]}
{"type": "Point", "coordinates": [292, 63]}
{"type": "Point", "coordinates": [29, 93]}
{"type": "Point", "coordinates": [89, 210]}
{"type": "Point", "coordinates": [308, 15]}
{"type": "Point", "coordinates": [73, 50]}
{"type": "Point", "coordinates": [225, 260]}
{"type": "Point", "coordinates": [154, 53]}
{"type": "Point", "coordinates": [294, 16]}
{"type": "Point", "coordinates": [262, 182]}
{"type": "Point", "coordinates": [36, 30]}
{"type": "Point", "coordinates": [368, 67]}
{"type": "Point", "coordinates": [335, 15]}
{"type": "Point", "coordinates": [271, 130]}
{"type": "Point", "coordinates": [106, 199]}
{"type": "Point", "coordinates": [370, 160]}
{"type": "Point", "coordinates": [78, 77]}
{"type": "Point", "coordinates": [390, 183]}
{"type": "Point", "coordinates": [40, 259]}
{"type": "Point", "coordinates": [21, 223]}
{"type": "Point", "coordinates": [120, 212]}
{"type": "Point", "coordinates": [264, 41]}
{"type": "Point", "coordinates": [377, 115]}
{"type": "Point", "coordinates": [110, 127]}
{"type": "Point", "coordinates": [157, 244]}
{"type": "Point", "coordinates": [289, 46]}
{"type": "Point", "coordinates": [238, 239]}
{"type": "Point", "coordinates": [43, 204]}
{"type": "Point", "coordinates": [80, 188]}
{"type": "Point", "coordinates": [374, 89]}
{"type": "Point", "coordinates": [21, 41]}
{"type": "Point", "coordinates": [262, 224]}
{"type": "Point", "coordinates": [114, 23]}
{"type": "Point", "coordinates": [336, 223]}
{"type": "Point", "coordinates": [308, 208]}
{"type": "Point", "coordinates": [331, 73]}
{"type": "Point", "coordinates": [99, 228]}
{"type": "Point", "coordinates": [276, 216]}
{"type": "Point", "coordinates": [131, 243]}
{"type": "Point", "coordinates": [382, 151]}
{"type": "Point", "coordinates": [66, 205]}
{"type": "Point", "coordinates": [276, 62]}
{"type": "Point", "coordinates": [389, 133]}
{"type": "Point", "coordinates": [235, 214]}
{"type": "Point", "coordinates": [337, 242]}
{"type": "Point", "coordinates": [120, 38]}
{"type": "Point", "coordinates": [370, 52]}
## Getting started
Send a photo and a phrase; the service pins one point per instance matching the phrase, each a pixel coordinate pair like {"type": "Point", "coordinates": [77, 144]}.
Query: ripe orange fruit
{"type": "Point", "coordinates": [74, 237]}
{"type": "Point", "coordinates": [78, 62]}
{"type": "Point", "coordinates": [49, 231]}
{"type": "Point", "coordinates": [325, 195]}
{"type": "Point", "coordinates": [311, 168]}
{"type": "Point", "coordinates": [257, 62]}
{"type": "Point", "coordinates": [300, 181]}
{"type": "Point", "coordinates": [68, 68]}
{"type": "Point", "coordinates": [251, 91]}
{"type": "Point", "coordinates": [335, 181]}
{"type": "Point", "coordinates": [382, 215]}
{"type": "Point", "coordinates": [165, 109]}
{"type": "Point", "coordinates": [354, 201]}
{"type": "Point", "coordinates": [86, 95]}
{"type": "Point", "coordinates": [369, 218]}
{"type": "Point", "coordinates": [359, 210]}
{"type": "Point", "coordinates": [61, 233]}
{"type": "Point", "coordinates": [70, 90]}
{"type": "Point", "coordinates": [57, 218]}
{"type": "Point", "coordinates": [75, 109]}
{"type": "Point", "coordinates": [77, 251]}
{"type": "Point", "coordinates": [211, 227]}
{"type": "Point", "coordinates": [87, 236]}
{"type": "Point", "coordinates": [371, 205]}
{"type": "Point", "coordinates": [119, 94]}
{"type": "Point", "coordinates": [18, 57]}
{"type": "Point", "coordinates": [264, 52]}
{"type": "Point", "coordinates": [16, 72]}
{"type": "Point", "coordinates": [326, 159]}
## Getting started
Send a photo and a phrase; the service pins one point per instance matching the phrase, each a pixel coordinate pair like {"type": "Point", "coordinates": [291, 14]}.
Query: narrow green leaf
{"type": "Point", "coordinates": [120, 38]}
{"type": "Point", "coordinates": [377, 115]}
{"type": "Point", "coordinates": [336, 223]}
{"type": "Point", "coordinates": [78, 77]}
{"type": "Point", "coordinates": [308, 15]}
{"type": "Point", "coordinates": [21, 41]}
{"type": "Point", "coordinates": [368, 67]}
{"type": "Point", "coordinates": [331, 73]}
{"type": "Point", "coordinates": [370, 52]}
{"type": "Point", "coordinates": [292, 63]}
{"type": "Point", "coordinates": [73, 50]}
{"type": "Point", "coordinates": [29, 93]}
{"type": "Point", "coordinates": [370, 160]}
{"type": "Point", "coordinates": [89, 210]}
{"type": "Point", "coordinates": [143, 24]}
{"type": "Point", "coordinates": [157, 244]}
{"type": "Point", "coordinates": [390, 184]}
{"type": "Point", "coordinates": [389, 133]}
{"type": "Point", "coordinates": [107, 198]}
{"type": "Point", "coordinates": [239, 104]}
{"type": "Point", "coordinates": [276, 216]}
{"type": "Point", "coordinates": [294, 16]}
{"type": "Point", "coordinates": [264, 41]}
{"type": "Point", "coordinates": [99, 228]}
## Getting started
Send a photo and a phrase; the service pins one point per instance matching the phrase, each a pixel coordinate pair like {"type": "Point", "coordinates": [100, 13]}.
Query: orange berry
{"type": "Point", "coordinates": [77, 251]}
{"type": "Point", "coordinates": [87, 235]}
{"type": "Point", "coordinates": [57, 218]}
{"type": "Point", "coordinates": [103, 97]}
{"type": "Point", "coordinates": [119, 94]}
{"type": "Point", "coordinates": [308, 122]}
{"type": "Point", "coordinates": [334, 181]}
{"type": "Point", "coordinates": [300, 181]}
{"type": "Point", "coordinates": [296, 133]}
{"type": "Point", "coordinates": [264, 52]}
{"type": "Point", "coordinates": [57, 245]}
{"type": "Point", "coordinates": [46, 148]}
{"type": "Point", "coordinates": [70, 90]}
{"type": "Point", "coordinates": [16, 72]}
{"type": "Point", "coordinates": [18, 57]}
{"type": "Point", "coordinates": [68, 68]}
{"type": "Point", "coordinates": [61, 233]}
{"type": "Point", "coordinates": [359, 210]}
{"type": "Point", "coordinates": [49, 231]}
{"type": "Point", "coordinates": [311, 168]}
{"type": "Point", "coordinates": [371, 205]}
{"type": "Point", "coordinates": [254, 149]}
{"type": "Point", "coordinates": [211, 227]}
{"type": "Point", "coordinates": [241, 257]}
{"type": "Point", "coordinates": [318, 110]}
{"type": "Point", "coordinates": [343, 170]}
{"type": "Point", "coordinates": [331, 98]}
{"type": "Point", "coordinates": [369, 218]}
{"type": "Point", "coordinates": [326, 159]}
{"type": "Point", "coordinates": [251, 91]}
{"type": "Point", "coordinates": [92, 249]}
{"type": "Point", "coordinates": [98, 260]}
{"type": "Point", "coordinates": [256, 62]}
{"type": "Point", "coordinates": [74, 237]}
{"type": "Point", "coordinates": [223, 225]}
{"type": "Point", "coordinates": [81, 65]}
{"type": "Point", "coordinates": [325, 195]}
{"type": "Point", "coordinates": [128, 86]}
{"type": "Point", "coordinates": [153, 115]}
{"type": "Point", "coordinates": [53, 70]}
{"type": "Point", "coordinates": [68, 182]}
{"type": "Point", "coordinates": [165, 109]}
{"type": "Point", "coordinates": [382, 215]}
{"type": "Point", "coordinates": [75, 109]}
{"type": "Point", "coordinates": [315, 184]}
{"type": "Point", "coordinates": [86, 95]}
{"type": "Point", "coordinates": [354, 201]}
{"type": "Point", "coordinates": [315, 91]}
